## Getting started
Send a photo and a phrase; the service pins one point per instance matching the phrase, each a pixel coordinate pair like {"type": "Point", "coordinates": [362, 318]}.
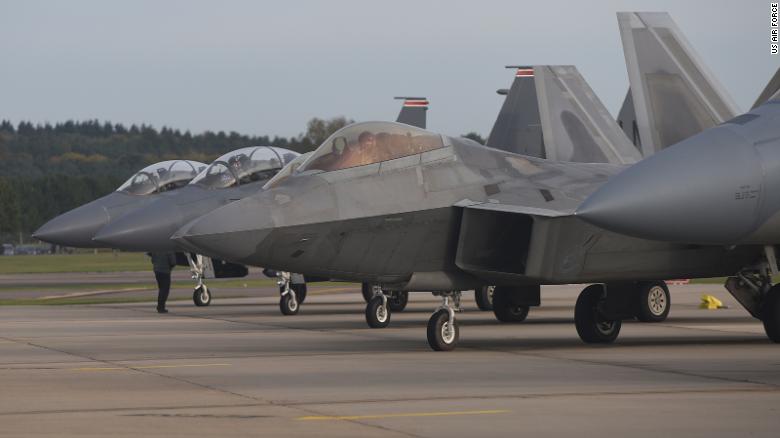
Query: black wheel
{"type": "Point", "coordinates": [654, 301]}
{"type": "Point", "coordinates": [201, 296]}
{"type": "Point", "coordinates": [484, 297]}
{"type": "Point", "coordinates": [377, 315]}
{"type": "Point", "coordinates": [288, 305]}
{"type": "Point", "coordinates": [592, 327]}
{"type": "Point", "coordinates": [442, 336]}
{"type": "Point", "coordinates": [367, 289]}
{"type": "Point", "coordinates": [397, 300]}
{"type": "Point", "coordinates": [504, 309]}
{"type": "Point", "coordinates": [770, 314]}
{"type": "Point", "coordinates": [300, 291]}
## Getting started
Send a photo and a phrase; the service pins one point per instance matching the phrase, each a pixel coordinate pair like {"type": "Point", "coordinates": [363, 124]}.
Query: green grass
{"type": "Point", "coordinates": [90, 300]}
{"type": "Point", "coordinates": [80, 262]}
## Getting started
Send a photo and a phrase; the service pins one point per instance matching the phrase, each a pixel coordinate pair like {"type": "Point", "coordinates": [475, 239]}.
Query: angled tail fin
{"type": "Point", "coordinates": [517, 128]}
{"type": "Point", "coordinates": [674, 94]}
{"type": "Point", "coordinates": [770, 89]}
{"type": "Point", "coordinates": [627, 120]}
{"type": "Point", "coordinates": [551, 112]}
{"type": "Point", "coordinates": [414, 111]}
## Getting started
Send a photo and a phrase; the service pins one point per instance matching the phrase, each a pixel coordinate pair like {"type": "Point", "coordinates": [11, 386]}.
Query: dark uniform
{"type": "Point", "coordinates": [163, 263]}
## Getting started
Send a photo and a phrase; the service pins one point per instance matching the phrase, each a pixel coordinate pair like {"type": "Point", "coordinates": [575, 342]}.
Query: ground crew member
{"type": "Point", "coordinates": [163, 263]}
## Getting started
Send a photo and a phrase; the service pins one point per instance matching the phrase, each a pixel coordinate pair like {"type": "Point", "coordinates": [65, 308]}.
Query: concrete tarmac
{"type": "Point", "coordinates": [240, 368]}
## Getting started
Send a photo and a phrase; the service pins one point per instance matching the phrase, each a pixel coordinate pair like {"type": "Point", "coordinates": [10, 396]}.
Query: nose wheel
{"type": "Point", "coordinates": [443, 331]}
{"type": "Point", "coordinates": [201, 296]}
{"type": "Point", "coordinates": [291, 294]}
{"type": "Point", "coordinates": [378, 311]}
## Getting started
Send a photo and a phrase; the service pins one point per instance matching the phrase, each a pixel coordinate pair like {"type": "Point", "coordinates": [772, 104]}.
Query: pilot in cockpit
{"type": "Point", "coordinates": [360, 153]}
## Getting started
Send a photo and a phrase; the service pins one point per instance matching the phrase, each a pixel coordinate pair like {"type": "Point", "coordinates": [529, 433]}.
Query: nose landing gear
{"type": "Point", "coordinates": [443, 331]}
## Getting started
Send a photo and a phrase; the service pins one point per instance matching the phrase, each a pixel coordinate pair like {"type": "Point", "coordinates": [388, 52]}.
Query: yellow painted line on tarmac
{"type": "Point", "coordinates": [401, 415]}
{"type": "Point", "coordinates": [150, 367]}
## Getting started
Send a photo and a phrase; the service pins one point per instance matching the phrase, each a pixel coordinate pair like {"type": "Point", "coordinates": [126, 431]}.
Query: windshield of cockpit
{"type": "Point", "coordinates": [244, 166]}
{"type": "Point", "coordinates": [161, 177]}
{"type": "Point", "coordinates": [365, 143]}
{"type": "Point", "coordinates": [288, 170]}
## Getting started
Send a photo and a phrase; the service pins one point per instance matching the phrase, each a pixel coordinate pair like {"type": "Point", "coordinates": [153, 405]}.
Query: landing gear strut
{"type": "Point", "coordinates": [201, 296]}
{"type": "Point", "coordinates": [292, 294]}
{"type": "Point", "coordinates": [752, 287]}
{"type": "Point", "coordinates": [381, 303]}
{"type": "Point", "coordinates": [378, 309]}
{"type": "Point", "coordinates": [443, 331]}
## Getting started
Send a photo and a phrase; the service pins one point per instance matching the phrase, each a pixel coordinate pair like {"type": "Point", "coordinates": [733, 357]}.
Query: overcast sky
{"type": "Point", "coordinates": [266, 67]}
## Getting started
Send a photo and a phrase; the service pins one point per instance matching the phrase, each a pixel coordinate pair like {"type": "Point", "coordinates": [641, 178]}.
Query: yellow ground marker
{"type": "Point", "coordinates": [150, 367]}
{"type": "Point", "coordinates": [401, 415]}
{"type": "Point", "coordinates": [709, 302]}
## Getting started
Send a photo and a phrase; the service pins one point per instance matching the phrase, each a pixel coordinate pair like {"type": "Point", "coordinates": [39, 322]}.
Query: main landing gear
{"type": "Point", "coordinates": [484, 297]}
{"type": "Point", "coordinates": [381, 303]}
{"type": "Point", "coordinates": [292, 294]}
{"type": "Point", "coordinates": [443, 331]}
{"type": "Point", "coordinates": [752, 287]}
{"type": "Point", "coordinates": [201, 295]}
{"type": "Point", "coordinates": [601, 308]}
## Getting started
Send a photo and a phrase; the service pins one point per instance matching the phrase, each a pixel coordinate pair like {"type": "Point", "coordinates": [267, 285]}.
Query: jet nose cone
{"type": "Point", "coordinates": [233, 232]}
{"type": "Point", "coordinates": [148, 229]}
{"type": "Point", "coordinates": [702, 190]}
{"type": "Point", "coordinates": [74, 228]}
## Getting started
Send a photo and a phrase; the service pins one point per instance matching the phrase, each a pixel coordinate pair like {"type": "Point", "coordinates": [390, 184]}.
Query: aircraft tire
{"type": "Point", "coordinates": [367, 289]}
{"type": "Point", "coordinates": [654, 301]}
{"type": "Point", "coordinates": [397, 300]}
{"type": "Point", "coordinates": [504, 309]}
{"type": "Point", "coordinates": [300, 291]}
{"type": "Point", "coordinates": [591, 326]}
{"type": "Point", "coordinates": [377, 314]}
{"type": "Point", "coordinates": [770, 314]}
{"type": "Point", "coordinates": [484, 297]}
{"type": "Point", "coordinates": [201, 296]}
{"type": "Point", "coordinates": [288, 306]}
{"type": "Point", "coordinates": [442, 337]}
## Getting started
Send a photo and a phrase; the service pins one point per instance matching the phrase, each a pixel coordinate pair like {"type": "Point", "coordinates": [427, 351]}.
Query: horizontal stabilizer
{"type": "Point", "coordinates": [675, 96]}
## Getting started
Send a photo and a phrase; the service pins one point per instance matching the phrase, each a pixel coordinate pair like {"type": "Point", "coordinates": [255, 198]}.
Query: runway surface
{"type": "Point", "coordinates": [239, 368]}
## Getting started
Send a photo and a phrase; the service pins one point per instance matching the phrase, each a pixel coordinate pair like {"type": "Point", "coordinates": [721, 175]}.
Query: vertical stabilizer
{"type": "Point", "coordinates": [517, 127]}
{"type": "Point", "coordinates": [414, 111]}
{"type": "Point", "coordinates": [675, 96]}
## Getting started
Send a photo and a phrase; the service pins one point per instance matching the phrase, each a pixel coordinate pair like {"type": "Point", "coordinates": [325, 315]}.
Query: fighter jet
{"type": "Point", "coordinates": [77, 227]}
{"type": "Point", "coordinates": [230, 177]}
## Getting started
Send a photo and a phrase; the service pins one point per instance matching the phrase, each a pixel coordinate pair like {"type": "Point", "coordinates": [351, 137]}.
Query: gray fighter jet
{"type": "Point", "coordinates": [77, 227]}
{"type": "Point", "coordinates": [230, 177]}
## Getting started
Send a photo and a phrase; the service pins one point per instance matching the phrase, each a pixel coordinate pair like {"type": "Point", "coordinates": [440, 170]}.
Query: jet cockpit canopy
{"type": "Point", "coordinates": [161, 177]}
{"type": "Point", "coordinates": [365, 143]}
{"type": "Point", "coordinates": [244, 166]}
